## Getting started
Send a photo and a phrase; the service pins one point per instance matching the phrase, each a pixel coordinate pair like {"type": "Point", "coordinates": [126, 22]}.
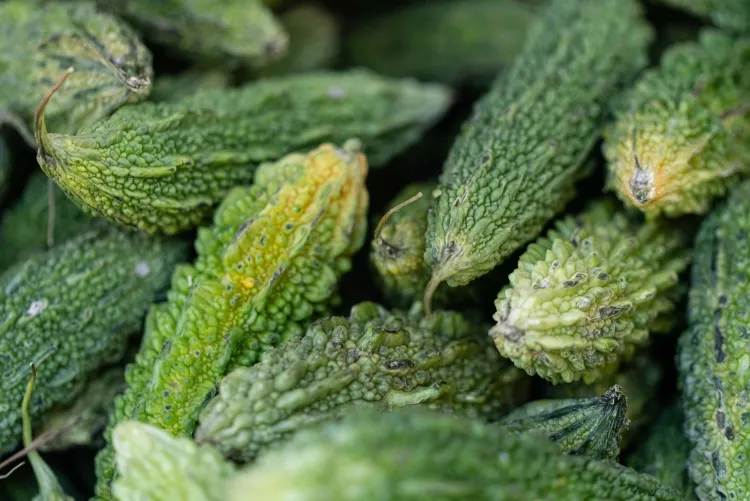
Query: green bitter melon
{"type": "Point", "coordinates": [270, 261]}
{"type": "Point", "coordinates": [374, 357]}
{"type": "Point", "coordinates": [514, 165]}
{"type": "Point", "coordinates": [163, 166]}
{"type": "Point", "coordinates": [682, 135]}
{"type": "Point", "coordinates": [74, 307]}
{"type": "Point", "coordinates": [588, 293]}
{"type": "Point", "coordinates": [40, 41]}
{"type": "Point", "coordinates": [586, 426]}
{"type": "Point", "coordinates": [713, 358]}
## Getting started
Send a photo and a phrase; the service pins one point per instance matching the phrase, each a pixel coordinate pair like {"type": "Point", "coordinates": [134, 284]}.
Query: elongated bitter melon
{"type": "Point", "coordinates": [225, 33]}
{"type": "Point", "coordinates": [515, 162]}
{"type": "Point", "coordinates": [450, 41]}
{"type": "Point", "coordinates": [163, 166]}
{"type": "Point", "coordinates": [412, 456]}
{"type": "Point", "coordinates": [713, 356]}
{"type": "Point", "coordinates": [23, 228]}
{"type": "Point", "coordinates": [588, 293]}
{"type": "Point", "coordinates": [682, 134]}
{"type": "Point", "coordinates": [270, 261]}
{"type": "Point", "coordinates": [73, 308]}
{"type": "Point", "coordinates": [40, 41]}
{"type": "Point", "coordinates": [374, 357]}
{"type": "Point", "coordinates": [582, 427]}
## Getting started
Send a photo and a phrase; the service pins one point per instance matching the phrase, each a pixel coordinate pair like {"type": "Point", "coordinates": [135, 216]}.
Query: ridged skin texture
{"type": "Point", "coordinates": [713, 356]}
{"type": "Point", "coordinates": [413, 456]}
{"type": "Point", "coordinates": [663, 453]}
{"type": "Point", "coordinates": [580, 427]}
{"type": "Point", "coordinates": [514, 164]}
{"type": "Point", "coordinates": [39, 42]}
{"type": "Point", "coordinates": [314, 41]}
{"type": "Point", "coordinates": [162, 167]}
{"type": "Point", "coordinates": [640, 380]}
{"type": "Point", "coordinates": [71, 310]}
{"type": "Point", "coordinates": [587, 294]}
{"type": "Point", "coordinates": [397, 253]}
{"type": "Point", "coordinates": [225, 33]}
{"type": "Point", "coordinates": [733, 15]}
{"type": "Point", "coordinates": [23, 230]}
{"type": "Point", "coordinates": [373, 358]}
{"type": "Point", "coordinates": [450, 41]}
{"type": "Point", "coordinates": [155, 466]}
{"type": "Point", "coordinates": [682, 134]}
{"type": "Point", "coordinates": [173, 88]}
{"type": "Point", "coordinates": [270, 261]}
{"type": "Point", "coordinates": [81, 422]}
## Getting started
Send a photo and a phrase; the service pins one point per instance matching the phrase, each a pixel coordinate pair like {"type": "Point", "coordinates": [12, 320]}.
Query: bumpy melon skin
{"type": "Point", "coordinates": [588, 293]}
{"type": "Point", "coordinates": [713, 356]}
{"type": "Point", "coordinates": [682, 134]}
{"type": "Point", "coordinates": [71, 310]}
{"type": "Point", "coordinates": [270, 261]}
{"type": "Point", "coordinates": [515, 163]}
{"type": "Point", "coordinates": [228, 33]}
{"type": "Point", "coordinates": [372, 358]}
{"type": "Point", "coordinates": [163, 167]}
{"type": "Point", "coordinates": [39, 42]}
{"type": "Point", "coordinates": [414, 454]}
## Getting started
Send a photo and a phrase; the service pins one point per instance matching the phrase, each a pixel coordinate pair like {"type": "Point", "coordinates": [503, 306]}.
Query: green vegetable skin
{"type": "Point", "coordinates": [640, 380]}
{"type": "Point", "coordinates": [374, 357]}
{"type": "Point", "coordinates": [81, 422]}
{"type": "Point", "coordinates": [39, 42]}
{"type": "Point", "coordinates": [733, 15]}
{"type": "Point", "coordinates": [712, 354]}
{"type": "Point", "coordinates": [162, 167]}
{"type": "Point", "coordinates": [270, 262]}
{"type": "Point", "coordinates": [397, 251]}
{"type": "Point", "coordinates": [155, 466]}
{"type": "Point", "coordinates": [23, 230]}
{"type": "Point", "coordinates": [314, 41]}
{"type": "Point", "coordinates": [73, 308]}
{"type": "Point", "coordinates": [450, 41]}
{"type": "Point", "coordinates": [225, 33]}
{"type": "Point", "coordinates": [588, 293]}
{"type": "Point", "coordinates": [586, 426]}
{"type": "Point", "coordinates": [173, 88]}
{"type": "Point", "coordinates": [515, 162]}
{"type": "Point", "coordinates": [664, 452]}
{"type": "Point", "coordinates": [682, 135]}
{"type": "Point", "coordinates": [413, 456]}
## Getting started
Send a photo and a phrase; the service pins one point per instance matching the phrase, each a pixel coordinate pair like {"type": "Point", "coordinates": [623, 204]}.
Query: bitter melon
{"type": "Point", "coordinates": [177, 87]}
{"type": "Point", "coordinates": [713, 356]}
{"type": "Point", "coordinates": [39, 41]}
{"type": "Point", "coordinates": [155, 466]}
{"type": "Point", "coordinates": [374, 357]}
{"type": "Point", "coordinates": [413, 456]}
{"type": "Point", "coordinates": [163, 166]}
{"type": "Point", "coordinates": [733, 15]}
{"type": "Point", "coordinates": [587, 426]}
{"type": "Point", "coordinates": [225, 33]}
{"type": "Point", "coordinates": [516, 160]}
{"type": "Point", "coordinates": [587, 294]}
{"type": "Point", "coordinates": [23, 230]}
{"type": "Point", "coordinates": [450, 41]}
{"type": "Point", "coordinates": [663, 453]}
{"type": "Point", "coordinates": [270, 261]}
{"type": "Point", "coordinates": [73, 308]}
{"type": "Point", "coordinates": [640, 380]}
{"type": "Point", "coordinates": [314, 41]}
{"type": "Point", "coordinates": [682, 134]}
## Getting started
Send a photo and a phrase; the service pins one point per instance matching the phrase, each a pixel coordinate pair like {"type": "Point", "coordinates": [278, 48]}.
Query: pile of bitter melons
{"type": "Point", "coordinates": [557, 300]}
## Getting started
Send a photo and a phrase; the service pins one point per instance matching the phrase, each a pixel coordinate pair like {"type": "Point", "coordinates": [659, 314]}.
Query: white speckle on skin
{"type": "Point", "coordinates": [142, 269]}
{"type": "Point", "coordinates": [503, 457]}
{"type": "Point", "coordinates": [336, 93]}
{"type": "Point", "coordinates": [37, 307]}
